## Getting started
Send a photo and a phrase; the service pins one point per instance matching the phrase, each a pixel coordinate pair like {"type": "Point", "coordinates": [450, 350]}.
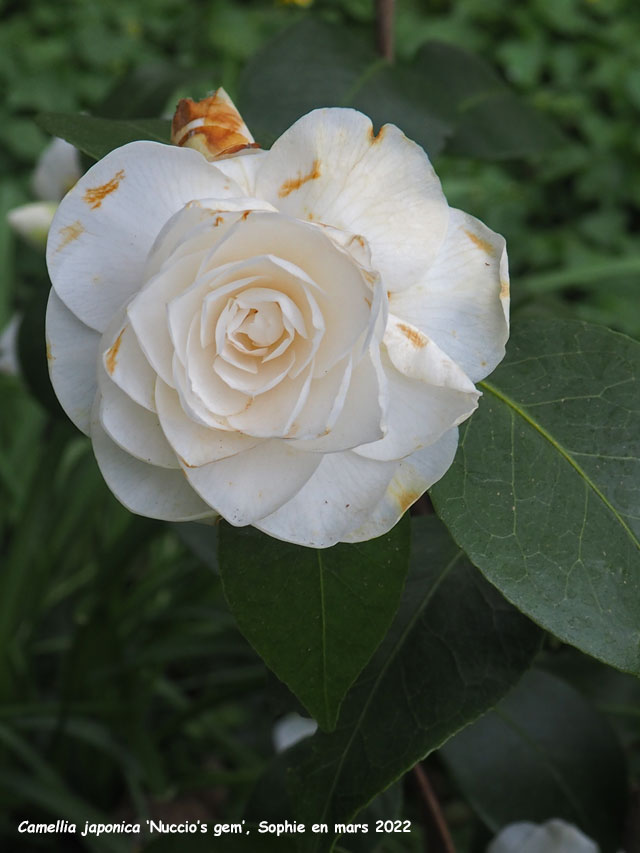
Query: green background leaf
{"type": "Point", "coordinates": [315, 616]}
{"type": "Point", "coordinates": [445, 98]}
{"type": "Point", "coordinates": [543, 753]}
{"type": "Point", "coordinates": [97, 136]}
{"type": "Point", "coordinates": [453, 650]}
{"type": "Point", "coordinates": [543, 493]}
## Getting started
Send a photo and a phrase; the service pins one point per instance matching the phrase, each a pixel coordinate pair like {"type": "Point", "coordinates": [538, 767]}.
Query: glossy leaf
{"type": "Point", "coordinates": [447, 97]}
{"type": "Point", "coordinates": [97, 136]}
{"type": "Point", "coordinates": [315, 616]}
{"type": "Point", "coordinates": [543, 753]}
{"type": "Point", "coordinates": [489, 120]}
{"type": "Point", "coordinates": [453, 650]}
{"type": "Point", "coordinates": [314, 65]}
{"type": "Point", "coordinates": [543, 494]}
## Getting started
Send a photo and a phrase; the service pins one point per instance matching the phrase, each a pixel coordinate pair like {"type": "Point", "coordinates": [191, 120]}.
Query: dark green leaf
{"type": "Point", "coordinates": [453, 650]}
{"type": "Point", "coordinates": [543, 753]}
{"type": "Point", "coordinates": [314, 65]}
{"type": "Point", "coordinates": [543, 493]}
{"type": "Point", "coordinates": [97, 136]}
{"type": "Point", "coordinates": [490, 122]}
{"type": "Point", "coordinates": [144, 92]}
{"type": "Point", "coordinates": [446, 92]}
{"type": "Point", "coordinates": [315, 616]}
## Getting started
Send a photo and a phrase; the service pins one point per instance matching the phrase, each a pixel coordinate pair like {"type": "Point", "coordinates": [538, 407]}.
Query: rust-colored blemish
{"type": "Point", "coordinates": [217, 128]}
{"type": "Point", "coordinates": [404, 497]}
{"type": "Point", "coordinates": [377, 137]}
{"type": "Point", "coordinates": [184, 462]}
{"type": "Point", "coordinates": [70, 233]}
{"type": "Point", "coordinates": [310, 216]}
{"type": "Point", "coordinates": [111, 355]}
{"type": "Point", "coordinates": [480, 243]}
{"type": "Point", "coordinates": [504, 289]}
{"type": "Point", "coordinates": [218, 221]}
{"type": "Point", "coordinates": [50, 356]}
{"type": "Point", "coordinates": [245, 215]}
{"type": "Point", "coordinates": [295, 183]}
{"type": "Point", "coordinates": [97, 195]}
{"type": "Point", "coordinates": [357, 238]}
{"type": "Point", "coordinates": [414, 336]}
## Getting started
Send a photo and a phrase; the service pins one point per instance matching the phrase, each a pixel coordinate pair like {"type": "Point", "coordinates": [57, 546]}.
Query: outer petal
{"type": "Point", "coordinates": [133, 428]}
{"type": "Point", "coordinates": [72, 354]}
{"type": "Point", "coordinates": [105, 227]}
{"type": "Point", "coordinates": [337, 499]}
{"type": "Point", "coordinates": [126, 364]}
{"type": "Point", "coordinates": [144, 489]}
{"type": "Point", "coordinates": [250, 485]}
{"type": "Point", "coordinates": [414, 475]}
{"type": "Point", "coordinates": [463, 301]}
{"type": "Point", "coordinates": [193, 443]}
{"type": "Point", "coordinates": [329, 167]}
{"type": "Point", "coordinates": [427, 393]}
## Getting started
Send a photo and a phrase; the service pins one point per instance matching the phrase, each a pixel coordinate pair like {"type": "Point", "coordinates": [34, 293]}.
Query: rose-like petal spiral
{"type": "Point", "coordinates": [285, 338]}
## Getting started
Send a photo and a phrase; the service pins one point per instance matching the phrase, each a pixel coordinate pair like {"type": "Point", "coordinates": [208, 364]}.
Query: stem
{"type": "Point", "coordinates": [440, 840]}
{"type": "Point", "coordinates": [384, 28]}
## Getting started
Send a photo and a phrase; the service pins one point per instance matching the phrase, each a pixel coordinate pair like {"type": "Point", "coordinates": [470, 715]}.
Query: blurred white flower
{"type": "Point", "coordinates": [56, 172]}
{"type": "Point", "coordinates": [555, 836]}
{"type": "Point", "coordinates": [32, 221]}
{"type": "Point", "coordinates": [9, 347]}
{"type": "Point", "coordinates": [290, 729]}
{"type": "Point", "coordinates": [287, 338]}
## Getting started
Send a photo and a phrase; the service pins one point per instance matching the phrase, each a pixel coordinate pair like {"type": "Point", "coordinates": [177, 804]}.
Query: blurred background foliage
{"type": "Point", "coordinates": [125, 688]}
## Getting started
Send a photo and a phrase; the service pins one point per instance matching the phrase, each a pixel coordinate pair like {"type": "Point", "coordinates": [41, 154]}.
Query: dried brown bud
{"type": "Point", "coordinates": [213, 126]}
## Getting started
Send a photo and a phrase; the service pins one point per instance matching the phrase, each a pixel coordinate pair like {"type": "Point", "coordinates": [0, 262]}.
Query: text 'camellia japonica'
{"type": "Point", "coordinates": [286, 338]}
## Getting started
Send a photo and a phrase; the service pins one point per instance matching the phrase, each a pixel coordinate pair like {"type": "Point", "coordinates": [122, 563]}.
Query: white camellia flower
{"type": "Point", "coordinates": [286, 338]}
{"type": "Point", "coordinates": [554, 836]}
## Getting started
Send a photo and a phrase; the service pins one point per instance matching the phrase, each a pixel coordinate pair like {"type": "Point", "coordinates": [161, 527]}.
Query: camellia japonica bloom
{"type": "Point", "coordinates": [285, 338]}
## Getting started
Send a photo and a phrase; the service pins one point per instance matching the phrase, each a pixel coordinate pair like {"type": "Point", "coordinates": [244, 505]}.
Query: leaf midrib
{"type": "Point", "coordinates": [391, 657]}
{"type": "Point", "coordinates": [526, 417]}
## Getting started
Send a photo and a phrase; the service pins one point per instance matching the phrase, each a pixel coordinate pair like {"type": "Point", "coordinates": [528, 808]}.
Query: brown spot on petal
{"type": "Point", "coordinates": [504, 289]}
{"type": "Point", "coordinates": [218, 221]}
{"type": "Point", "coordinates": [245, 215]}
{"type": "Point", "coordinates": [295, 183]}
{"type": "Point", "coordinates": [415, 337]}
{"type": "Point", "coordinates": [50, 355]}
{"type": "Point", "coordinates": [70, 233]}
{"type": "Point", "coordinates": [185, 463]}
{"type": "Point", "coordinates": [403, 497]}
{"type": "Point", "coordinates": [97, 195]}
{"type": "Point", "coordinates": [111, 356]}
{"type": "Point", "coordinates": [379, 136]}
{"type": "Point", "coordinates": [480, 243]}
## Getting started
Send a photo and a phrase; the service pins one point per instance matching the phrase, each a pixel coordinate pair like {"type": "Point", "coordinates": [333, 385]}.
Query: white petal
{"type": "Point", "coordinates": [105, 227]}
{"type": "Point", "coordinates": [462, 303]}
{"type": "Point", "coordinates": [359, 421]}
{"type": "Point", "coordinates": [72, 355]}
{"type": "Point", "coordinates": [273, 414]}
{"type": "Point", "coordinates": [414, 475]}
{"type": "Point", "coordinates": [427, 393]}
{"type": "Point", "coordinates": [126, 364]}
{"type": "Point", "coordinates": [243, 168]}
{"type": "Point", "coordinates": [144, 489]}
{"type": "Point", "coordinates": [133, 428]}
{"type": "Point", "coordinates": [554, 836]}
{"type": "Point", "coordinates": [329, 167]}
{"type": "Point", "coordinates": [337, 499]}
{"type": "Point", "coordinates": [250, 485]}
{"type": "Point", "coordinates": [148, 312]}
{"type": "Point", "coordinates": [195, 444]}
